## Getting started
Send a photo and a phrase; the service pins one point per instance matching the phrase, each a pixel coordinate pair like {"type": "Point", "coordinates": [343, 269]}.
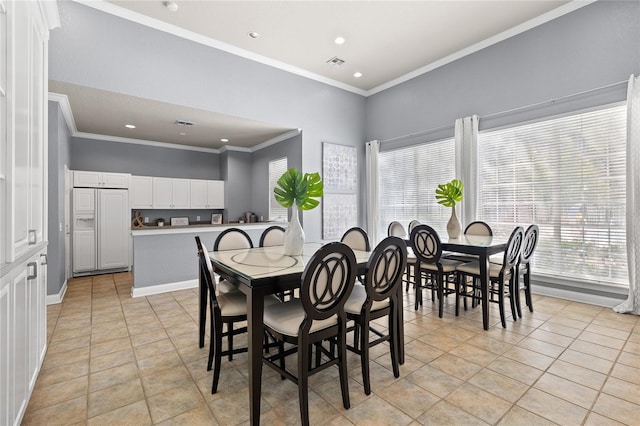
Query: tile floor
{"type": "Point", "coordinates": [116, 360]}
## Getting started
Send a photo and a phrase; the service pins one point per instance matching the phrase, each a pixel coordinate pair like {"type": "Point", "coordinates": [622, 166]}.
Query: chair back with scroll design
{"type": "Point", "coordinates": [426, 244]}
{"type": "Point", "coordinates": [529, 244]}
{"type": "Point", "coordinates": [232, 239]}
{"type": "Point", "coordinates": [478, 228]}
{"type": "Point", "coordinates": [396, 230]}
{"type": "Point", "coordinates": [412, 225]}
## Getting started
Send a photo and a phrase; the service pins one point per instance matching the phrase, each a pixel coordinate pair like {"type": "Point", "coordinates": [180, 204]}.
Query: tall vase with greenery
{"type": "Point", "coordinates": [297, 191]}
{"type": "Point", "coordinates": [448, 194]}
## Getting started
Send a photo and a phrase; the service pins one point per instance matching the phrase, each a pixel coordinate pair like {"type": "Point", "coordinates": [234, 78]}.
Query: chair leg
{"type": "Point", "coordinates": [304, 358]}
{"type": "Point", "coordinates": [212, 339]}
{"type": "Point", "coordinates": [342, 366]}
{"type": "Point", "coordinates": [217, 356]}
{"type": "Point", "coordinates": [394, 341]}
{"type": "Point", "coordinates": [501, 303]}
{"type": "Point", "coordinates": [527, 290]}
{"type": "Point", "coordinates": [440, 280]}
{"type": "Point", "coordinates": [458, 291]}
{"type": "Point", "coordinates": [418, 288]}
{"type": "Point", "coordinates": [513, 297]}
{"type": "Point", "coordinates": [364, 355]}
{"type": "Point", "coordinates": [282, 361]}
{"type": "Point", "coordinates": [230, 340]}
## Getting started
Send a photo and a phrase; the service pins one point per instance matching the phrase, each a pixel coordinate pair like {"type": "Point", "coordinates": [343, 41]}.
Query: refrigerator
{"type": "Point", "coordinates": [100, 230]}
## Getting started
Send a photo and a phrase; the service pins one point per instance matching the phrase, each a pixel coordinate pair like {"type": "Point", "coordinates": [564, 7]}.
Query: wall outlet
{"type": "Point", "coordinates": [197, 218]}
{"type": "Point", "coordinates": [146, 219]}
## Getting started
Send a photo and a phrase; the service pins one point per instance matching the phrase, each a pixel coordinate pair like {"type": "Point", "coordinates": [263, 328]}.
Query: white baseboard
{"type": "Point", "coordinates": [576, 296]}
{"type": "Point", "coordinates": [163, 288]}
{"type": "Point", "coordinates": [54, 299]}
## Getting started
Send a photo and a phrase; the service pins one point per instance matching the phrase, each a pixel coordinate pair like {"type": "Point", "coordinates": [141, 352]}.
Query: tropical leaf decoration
{"type": "Point", "coordinates": [450, 193]}
{"type": "Point", "coordinates": [294, 187]}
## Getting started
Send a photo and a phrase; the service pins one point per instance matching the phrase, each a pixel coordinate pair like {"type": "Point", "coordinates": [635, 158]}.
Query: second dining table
{"type": "Point", "coordinates": [258, 272]}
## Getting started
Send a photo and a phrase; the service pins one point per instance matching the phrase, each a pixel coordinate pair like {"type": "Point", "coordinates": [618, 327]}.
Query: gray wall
{"type": "Point", "coordinates": [143, 160]}
{"type": "Point", "coordinates": [237, 190]}
{"type": "Point", "coordinates": [290, 148]}
{"type": "Point", "coordinates": [58, 156]}
{"type": "Point", "coordinates": [592, 47]}
{"type": "Point", "coordinates": [109, 53]}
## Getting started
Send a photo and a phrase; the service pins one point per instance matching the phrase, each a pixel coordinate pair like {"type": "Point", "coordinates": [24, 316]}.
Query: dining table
{"type": "Point", "coordinates": [483, 247]}
{"type": "Point", "coordinates": [258, 272]}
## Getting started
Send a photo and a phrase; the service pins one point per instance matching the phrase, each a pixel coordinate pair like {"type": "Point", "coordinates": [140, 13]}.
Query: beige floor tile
{"type": "Point", "coordinates": [627, 373]}
{"type": "Point", "coordinates": [63, 358]}
{"type": "Point", "coordinates": [422, 351]}
{"type": "Point", "coordinates": [408, 397]}
{"type": "Point", "coordinates": [578, 374]}
{"type": "Point", "coordinates": [490, 344]}
{"type": "Point", "coordinates": [553, 338]}
{"type": "Point", "coordinates": [136, 414]}
{"type": "Point", "coordinates": [595, 419]}
{"type": "Point", "coordinates": [474, 354]}
{"type": "Point", "coordinates": [69, 412]}
{"type": "Point", "coordinates": [200, 415]}
{"type": "Point", "coordinates": [446, 414]}
{"type": "Point", "coordinates": [539, 346]}
{"type": "Point", "coordinates": [502, 386]}
{"type": "Point", "coordinates": [515, 370]}
{"type": "Point", "coordinates": [175, 401]}
{"type": "Point", "coordinates": [455, 366]}
{"type": "Point", "coordinates": [113, 359]}
{"type": "Point", "coordinates": [608, 331]}
{"type": "Point", "coordinates": [110, 346]}
{"type": "Point", "coordinates": [112, 376]}
{"type": "Point", "coordinates": [599, 339]}
{"type": "Point", "coordinates": [113, 397]}
{"type": "Point", "coordinates": [617, 409]}
{"type": "Point", "coordinates": [629, 359]}
{"type": "Point", "coordinates": [233, 408]}
{"type": "Point", "coordinates": [528, 357]}
{"type": "Point", "coordinates": [520, 416]}
{"type": "Point", "coordinates": [154, 348]}
{"type": "Point", "coordinates": [159, 362]}
{"type": "Point", "coordinates": [552, 408]}
{"type": "Point", "coordinates": [622, 389]}
{"type": "Point", "coordinates": [320, 411]}
{"type": "Point", "coordinates": [62, 374]}
{"type": "Point", "coordinates": [567, 390]}
{"type": "Point", "coordinates": [434, 380]}
{"type": "Point", "coordinates": [479, 403]}
{"type": "Point", "coordinates": [374, 411]}
{"type": "Point", "coordinates": [592, 362]}
{"type": "Point", "coordinates": [44, 396]}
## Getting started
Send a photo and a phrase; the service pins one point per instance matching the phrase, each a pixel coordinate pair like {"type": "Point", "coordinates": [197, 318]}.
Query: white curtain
{"type": "Point", "coordinates": [466, 140]}
{"type": "Point", "coordinates": [372, 150]}
{"type": "Point", "coordinates": [632, 304]}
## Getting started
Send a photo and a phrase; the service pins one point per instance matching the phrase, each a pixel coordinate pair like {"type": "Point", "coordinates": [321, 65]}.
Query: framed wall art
{"type": "Point", "coordinates": [340, 179]}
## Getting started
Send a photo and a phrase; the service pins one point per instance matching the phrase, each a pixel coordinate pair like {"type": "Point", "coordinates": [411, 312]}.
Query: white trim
{"type": "Point", "coordinates": [216, 44]}
{"type": "Point", "coordinates": [55, 299]}
{"type": "Point", "coordinates": [96, 136]}
{"type": "Point", "coordinates": [518, 29]}
{"type": "Point", "coordinates": [50, 15]}
{"type": "Point", "coordinates": [273, 141]}
{"type": "Point", "coordinates": [163, 288]}
{"type": "Point", "coordinates": [575, 296]}
{"type": "Point", "coordinates": [234, 148]}
{"type": "Point", "coordinates": [199, 229]}
{"type": "Point", "coordinates": [65, 106]}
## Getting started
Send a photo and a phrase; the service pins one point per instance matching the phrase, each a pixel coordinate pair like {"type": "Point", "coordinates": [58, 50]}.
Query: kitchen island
{"type": "Point", "coordinates": [165, 258]}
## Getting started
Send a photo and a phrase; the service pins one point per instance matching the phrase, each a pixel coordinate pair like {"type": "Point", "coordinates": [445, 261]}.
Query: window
{"type": "Point", "coordinates": [276, 169]}
{"type": "Point", "coordinates": [408, 178]}
{"type": "Point", "coordinates": [567, 175]}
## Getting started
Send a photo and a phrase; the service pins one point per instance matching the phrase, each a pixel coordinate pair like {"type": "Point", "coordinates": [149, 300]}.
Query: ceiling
{"type": "Point", "coordinates": [387, 41]}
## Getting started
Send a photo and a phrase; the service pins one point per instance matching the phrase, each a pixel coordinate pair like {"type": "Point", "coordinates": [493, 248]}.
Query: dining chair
{"type": "Point", "coordinates": [412, 225]}
{"type": "Point", "coordinates": [432, 270]}
{"type": "Point", "coordinates": [272, 236]}
{"type": "Point", "coordinates": [498, 276]}
{"type": "Point", "coordinates": [231, 239]}
{"type": "Point", "coordinates": [477, 227]}
{"type": "Point", "coordinates": [376, 299]}
{"type": "Point", "coordinates": [396, 229]}
{"type": "Point", "coordinates": [356, 238]}
{"type": "Point", "coordinates": [529, 244]}
{"type": "Point", "coordinates": [226, 308]}
{"type": "Point", "coordinates": [317, 316]}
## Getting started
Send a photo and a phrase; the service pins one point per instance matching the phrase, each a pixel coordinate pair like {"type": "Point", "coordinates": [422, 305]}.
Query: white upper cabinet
{"type": "Point", "coordinates": [207, 194]}
{"type": "Point", "coordinates": [90, 179]}
{"type": "Point", "coordinates": [170, 193]}
{"type": "Point", "coordinates": [141, 192]}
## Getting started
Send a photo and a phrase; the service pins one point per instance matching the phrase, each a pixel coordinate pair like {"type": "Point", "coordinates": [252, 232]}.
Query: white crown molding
{"type": "Point", "coordinates": [49, 12]}
{"type": "Point", "coordinates": [273, 141]}
{"type": "Point", "coordinates": [156, 144]}
{"type": "Point", "coordinates": [63, 101]}
{"type": "Point", "coordinates": [234, 148]}
{"type": "Point", "coordinates": [207, 41]}
{"type": "Point", "coordinates": [525, 26]}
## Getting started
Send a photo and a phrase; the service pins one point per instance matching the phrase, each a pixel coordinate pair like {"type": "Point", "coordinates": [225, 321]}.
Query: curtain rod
{"type": "Point", "coordinates": [508, 111]}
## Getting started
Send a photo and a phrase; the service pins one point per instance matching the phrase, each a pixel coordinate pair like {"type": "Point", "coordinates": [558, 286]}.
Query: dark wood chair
{"type": "Point", "coordinates": [272, 236]}
{"type": "Point", "coordinates": [498, 274]}
{"type": "Point", "coordinates": [356, 238]}
{"type": "Point", "coordinates": [529, 244]}
{"type": "Point", "coordinates": [376, 299]}
{"type": "Point", "coordinates": [226, 308]}
{"type": "Point", "coordinates": [317, 316]}
{"type": "Point", "coordinates": [396, 229]}
{"type": "Point", "coordinates": [433, 272]}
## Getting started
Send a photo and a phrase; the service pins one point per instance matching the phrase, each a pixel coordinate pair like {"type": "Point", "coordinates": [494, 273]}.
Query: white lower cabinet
{"type": "Point", "coordinates": [23, 325]}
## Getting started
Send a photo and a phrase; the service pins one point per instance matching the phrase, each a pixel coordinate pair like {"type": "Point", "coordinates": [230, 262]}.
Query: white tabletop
{"type": "Point", "coordinates": [264, 262]}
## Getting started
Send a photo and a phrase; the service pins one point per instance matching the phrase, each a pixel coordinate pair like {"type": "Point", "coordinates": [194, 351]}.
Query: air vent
{"type": "Point", "coordinates": [184, 123]}
{"type": "Point", "coordinates": [335, 61]}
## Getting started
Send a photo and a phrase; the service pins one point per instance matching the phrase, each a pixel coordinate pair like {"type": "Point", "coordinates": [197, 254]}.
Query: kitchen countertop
{"type": "Point", "coordinates": [166, 229]}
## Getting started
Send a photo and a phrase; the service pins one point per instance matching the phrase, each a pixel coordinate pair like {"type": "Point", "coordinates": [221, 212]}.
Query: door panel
{"type": "Point", "coordinates": [113, 229]}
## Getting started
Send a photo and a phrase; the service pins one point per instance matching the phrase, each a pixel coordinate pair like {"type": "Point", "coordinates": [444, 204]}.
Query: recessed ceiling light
{"type": "Point", "coordinates": [129, 126]}
{"type": "Point", "coordinates": [357, 74]}
{"type": "Point", "coordinates": [224, 140]}
{"type": "Point", "coordinates": [339, 40]}
{"type": "Point", "coordinates": [253, 34]}
{"type": "Point", "coordinates": [171, 6]}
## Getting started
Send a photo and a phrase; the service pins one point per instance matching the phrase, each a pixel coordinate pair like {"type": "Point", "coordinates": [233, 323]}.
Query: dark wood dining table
{"type": "Point", "coordinates": [483, 247]}
{"type": "Point", "coordinates": [258, 272]}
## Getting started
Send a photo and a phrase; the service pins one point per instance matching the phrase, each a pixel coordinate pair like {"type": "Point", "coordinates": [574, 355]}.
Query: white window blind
{"type": "Point", "coordinates": [276, 169]}
{"type": "Point", "coordinates": [408, 178]}
{"type": "Point", "coordinates": [567, 175]}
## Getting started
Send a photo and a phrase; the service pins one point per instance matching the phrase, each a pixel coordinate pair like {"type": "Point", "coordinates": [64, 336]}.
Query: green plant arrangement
{"type": "Point", "coordinates": [303, 190]}
{"type": "Point", "coordinates": [450, 193]}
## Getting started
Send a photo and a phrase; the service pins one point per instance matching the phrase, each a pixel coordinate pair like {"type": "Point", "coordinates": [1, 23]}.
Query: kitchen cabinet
{"type": "Point", "coordinates": [141, 192]}
{"type": "Point", "coordinates": [207, 194]}
{"type": "Point", "coordinates": [171, 193]}
{"type": "Point", "coordinates": [90, 179]}
{"type": "Point", "coordinates": [24, 35]}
